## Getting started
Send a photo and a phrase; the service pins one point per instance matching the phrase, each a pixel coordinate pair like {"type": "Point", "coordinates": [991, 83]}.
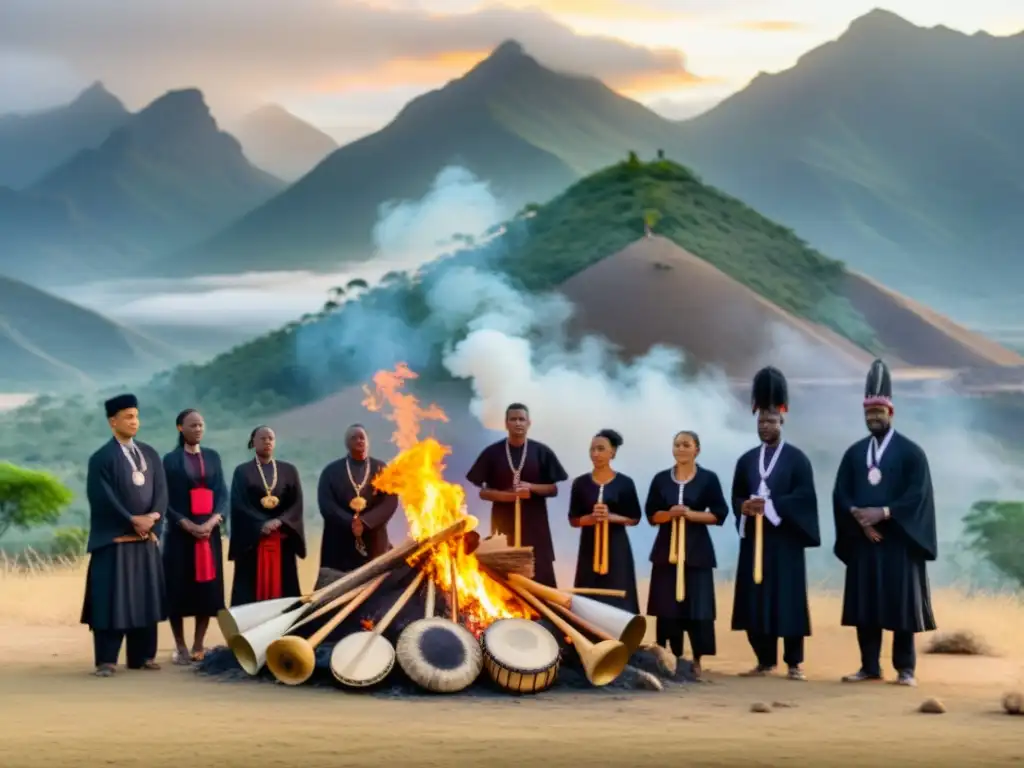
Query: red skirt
{"type": "Point", "coordinates": [268, 567]}
{"type": "Point", "coordinates": [202, 504]}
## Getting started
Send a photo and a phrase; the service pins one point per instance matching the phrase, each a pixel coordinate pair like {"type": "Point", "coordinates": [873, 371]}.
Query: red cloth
{"type": "Point", "coordinates": [202, 504]}
{"type": "Point", "coordinates": [268, 566]}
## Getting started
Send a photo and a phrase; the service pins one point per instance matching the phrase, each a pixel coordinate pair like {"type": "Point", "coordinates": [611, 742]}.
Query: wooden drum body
{"type": "Point", "coordinates": [521, 656]}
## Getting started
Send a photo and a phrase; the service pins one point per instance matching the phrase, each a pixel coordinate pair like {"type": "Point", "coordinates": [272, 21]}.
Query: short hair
{"type": "Point", "coordinates": [691, 434]}
{"type": "Point", "coordinates": [252, 435]}
{"type": "Point", "coordinates": [352, 430]}
{"type": "Point", "coordinates": [613, 437]}
{"type": "Point", "coordinates": [517, 407]}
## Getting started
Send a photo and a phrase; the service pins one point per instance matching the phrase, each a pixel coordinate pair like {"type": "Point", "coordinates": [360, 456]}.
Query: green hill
{"type": "Point", "coordinates": [541, 248]}
{"type": "Point", "coordinates": [894, 148]}
{"type": "Point", "coordinates": [163, 180]}
{"type": "Point", "coordinates": [51, 344]}
{"type": "Point", "coordinates": [524, 129]}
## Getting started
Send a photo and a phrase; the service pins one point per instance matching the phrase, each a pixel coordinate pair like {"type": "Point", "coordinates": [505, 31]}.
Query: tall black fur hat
{"type": "Point", "coordinates": [120, 403]}
{"type": "Point", "coordinates": [878, 386]}
{"type": "Point", "coordinates": [770, 391]}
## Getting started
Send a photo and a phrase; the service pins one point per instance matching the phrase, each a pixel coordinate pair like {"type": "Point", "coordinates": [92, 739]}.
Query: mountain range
{"type": "Point", "coordinates": [278, 142]}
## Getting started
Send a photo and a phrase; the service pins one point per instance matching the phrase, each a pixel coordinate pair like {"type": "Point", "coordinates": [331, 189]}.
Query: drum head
{"type": "Point", "coordinates": [439, 655]}
{"type": "Point", "coordinates": [521, 645]}
{"type": "Point", "coordinates": [362, 659]}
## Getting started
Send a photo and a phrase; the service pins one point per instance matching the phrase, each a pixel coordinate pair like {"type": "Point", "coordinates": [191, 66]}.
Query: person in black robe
{"type": "Point", "coordinates": [267, 534]}
{"type": "Point", "coordinates": [775, 482]}
{"type": "Point", "coordinates": [124, 586]}
{"type": "Point", "coordinates": [884, 513]}
{"type": "Point", "coordinates": [599, 496]}
{"type": "Point", "coordinates": [193, 553]}
{"type": "Point", "coordinates": [692, 494]}
{"type": "Point", "coordinates": [517, 468]}
{"type": "Point", "coordinates": [356, 515]}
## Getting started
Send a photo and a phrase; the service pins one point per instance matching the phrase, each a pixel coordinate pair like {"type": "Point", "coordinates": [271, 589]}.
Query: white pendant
{"type": "Point", "coordinates": [874, 475]}
{"type": "Point", "coordinates": [138, 478]}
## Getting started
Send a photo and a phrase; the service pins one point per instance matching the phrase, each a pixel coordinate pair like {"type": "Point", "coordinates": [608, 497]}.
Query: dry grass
{"type": "Point", "coordinates": [959, 643]}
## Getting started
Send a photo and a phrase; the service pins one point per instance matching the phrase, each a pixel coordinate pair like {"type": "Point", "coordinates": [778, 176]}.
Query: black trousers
{"type": "Point", "coordinates": [141, 645]}
{"type": "Point", "coordinates": [904, 655]}
{"type": "Point", "coordinates": [701, 633]}
{"type": "Point", "coordinates": [766, 648]}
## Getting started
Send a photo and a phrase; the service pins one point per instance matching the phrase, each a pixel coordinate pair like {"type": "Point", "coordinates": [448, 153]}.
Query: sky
{"type": "Point", "coordinates": [349, 66]}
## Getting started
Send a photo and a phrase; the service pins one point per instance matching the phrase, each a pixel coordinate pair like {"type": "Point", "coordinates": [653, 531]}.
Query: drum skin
{"type": "Point", "coordinates": [520, 656]}
{"type": "Point", "coordinates": [362, 659]}
{"type": "Point", "coordinates": [439, 655]}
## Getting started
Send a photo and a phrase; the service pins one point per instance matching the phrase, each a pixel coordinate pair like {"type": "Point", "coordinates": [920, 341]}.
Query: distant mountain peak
{"type": "Point", "coordinates": [96, 96]}
{"type": "Point", "coordinates": [175, 111]}
{"type": "Point", "coordinates": [878, 21]}
{"type": "Point", "coordinates": [509, 49]}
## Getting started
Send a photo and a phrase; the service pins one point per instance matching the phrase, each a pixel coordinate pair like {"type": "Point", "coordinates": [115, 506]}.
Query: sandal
{"type": "Point", "coordinates": [149, 665]}
{"type": "Point", "coordinates": [758, 671]}
{"type": "Point", "coordinates": [198, 655]}
{"type": "Point", "coordinates": [180, 658]}
{"type": "Point", "coordinates": [795, 673]}
{"type": "Point", "coordinates": [105, 670]}
{"type": "Point", "coordinates": [860, 676]}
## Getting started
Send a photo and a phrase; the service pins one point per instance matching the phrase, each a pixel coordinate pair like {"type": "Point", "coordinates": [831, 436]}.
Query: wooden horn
{"type": "Point", "coordinates": [605, 563]}
{"type": "Point", "coordinates": [758, 548]}
{"type": "Point", "coordinates": [292, 659]}
{"type": "Point", "coordinates": [328, 607]}
{"type": "Point", "coordinates": [600, 540]}
{"type": "Point", "coordinates": [680, 559]}
{"type": "Point", "coordinates": [602, 661]}
{"type": "Point", "coordinates": [628, 628]}
{"type": "Point", "coordinates": [519, 524]}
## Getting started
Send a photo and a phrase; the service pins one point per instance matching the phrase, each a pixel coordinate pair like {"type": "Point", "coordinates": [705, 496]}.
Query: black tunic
{"type": "Point", "coordinates": [124, 586]}
{"type": "Point", "coordinates": [702, 493]}
{"type": "Point", "coordinates": [887, 583]}
{"type": "Point", "coordinates": [334, 493]}
{"type": "Point", "coordinates": [778, 606]}
{"type": "Point", "coordinates": [247, 518]}
{"type": "Point", "coordinates": [621, 498]}
{"type": "Point", "coordinates": [186, 596]}
{"type": "Point", "coordinates": [542, 467]}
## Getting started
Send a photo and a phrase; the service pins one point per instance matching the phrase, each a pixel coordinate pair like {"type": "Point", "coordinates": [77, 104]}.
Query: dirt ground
{"type": "Point", "coordinates": [54, 713]}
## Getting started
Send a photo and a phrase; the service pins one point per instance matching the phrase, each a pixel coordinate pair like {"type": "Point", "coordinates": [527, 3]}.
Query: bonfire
{"type": "Point", "coordinates": [498, 620]}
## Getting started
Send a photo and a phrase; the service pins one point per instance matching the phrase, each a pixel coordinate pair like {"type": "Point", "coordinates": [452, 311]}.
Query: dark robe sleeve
{"type": "Point", "coordinates": [381, 507]}
{"type": "Point", "coordinates": [174, 516]}
{"type": "Point", "coordinates": [914, 510]}
{"type": "Point", "coordinates": [108, 517]}
{"type": "Point", "coordinates": [629, 501]}
{"type": "Point", "coordinates": [480, 473]}
{"type": "Point", "coordinates": [159, 491]}
{"type": "Point", "coordinates": [654, 502]}
{"type": "Point", "coordinates": [329, 500]}
{"type": "Point", "coordinates": [716, 502]}
{"type": "Point", "coordinates": [245, 520]}
{"type": "Point", "coordinates": [848, 530]}
{"type": "Point", "coordinates": [798, 508]}
{"type": "Point", "coordinates": [577, 504]}
{"type": "Point", "coordinates": [291, 516]}
{"type": "Point", "coordinates": [552, 470]}
{"type": "Point", "coordinates": [216, 482]}
{"type": "Point", "coordinates": [740, 490]}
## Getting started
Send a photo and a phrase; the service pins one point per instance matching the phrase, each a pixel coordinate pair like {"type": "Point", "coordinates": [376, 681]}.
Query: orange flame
{"type": "Point", "coordinates": [431, 503]}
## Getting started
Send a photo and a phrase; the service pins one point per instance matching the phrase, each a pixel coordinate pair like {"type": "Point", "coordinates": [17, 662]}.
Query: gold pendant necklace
{"type": "Point", "coordinates": [358, 504]}
{"type": "Point", "coordinates": [270, 501]}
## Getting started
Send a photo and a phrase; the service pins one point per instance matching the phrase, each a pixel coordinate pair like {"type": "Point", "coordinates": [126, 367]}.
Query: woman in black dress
{"type": "Point", "coordinates": [606, 495]}
{"type": "Point", "coordinates": [267, 534]}
{"type": "Point", "coordinates": [197, 501]}
{"type": "Point", "coordinates": [694, 495]}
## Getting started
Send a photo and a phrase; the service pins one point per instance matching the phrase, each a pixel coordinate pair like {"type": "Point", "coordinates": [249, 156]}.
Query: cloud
{"type": "Point", "coordinates": [628, 10]}
{"type": "Point", "coordinates": [258, 49]}
{"type": "Point", "coordinates": [770, 25]}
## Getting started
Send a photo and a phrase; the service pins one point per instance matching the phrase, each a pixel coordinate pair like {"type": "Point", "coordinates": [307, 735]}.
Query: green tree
{"type": "Point", "coordinates": [69, 542]}
{"type": "Point", "coordinates": [357, 284]}
{"type": "Point", "coordinates": [995, 530]}
{"type": "Point", "coordinates": [652, 217]}
{"type": "Point", "coordinates": [29, 499]}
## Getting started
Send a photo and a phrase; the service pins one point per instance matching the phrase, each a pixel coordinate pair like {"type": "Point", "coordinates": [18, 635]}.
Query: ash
{"type": "Point", "coordinates": [648, 669]}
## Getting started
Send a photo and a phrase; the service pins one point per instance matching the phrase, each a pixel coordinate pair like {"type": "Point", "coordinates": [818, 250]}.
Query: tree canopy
{"type": "Point", "coordinates": [29, 498]}
{"type": "Point", "coordinates": [995, 530]}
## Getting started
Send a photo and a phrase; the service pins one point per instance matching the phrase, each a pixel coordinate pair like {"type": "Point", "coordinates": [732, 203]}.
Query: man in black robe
{"type": "Point", "coordinates": [124, 588]}
{"type": "Point", "coordinates": [885, 534]}
{"type": "Point", "coordinates": [356, 515]}
{"type": "Point", "coordinates": [517, 468]}
{"type": "Point", "coordinates": [774, 482]}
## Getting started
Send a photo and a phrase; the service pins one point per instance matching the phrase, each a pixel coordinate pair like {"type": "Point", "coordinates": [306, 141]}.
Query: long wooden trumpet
{"type": "Point", "coordinates": [518, 534]}
{"type": "Point", "coordinates": [601, 539]}
{"type": "Point", "coordinates": [677, 549]}
{"type": "Point", "coordinates": [602, 661]}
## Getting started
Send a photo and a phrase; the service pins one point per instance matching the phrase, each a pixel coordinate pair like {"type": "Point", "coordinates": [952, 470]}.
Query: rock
{"type": "Point", "coordinates": [760, 706]}
{"type": "Point", "coordinates": [632, 677]}
{"type": "Point", "coordinates": [1013, 703]}
{"type": "Point", "coordinates": [783, 704]}
{"type": "Point", "coordinates": [667, 661]}
{"type": "Point", "coordinates": [932, 707]}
